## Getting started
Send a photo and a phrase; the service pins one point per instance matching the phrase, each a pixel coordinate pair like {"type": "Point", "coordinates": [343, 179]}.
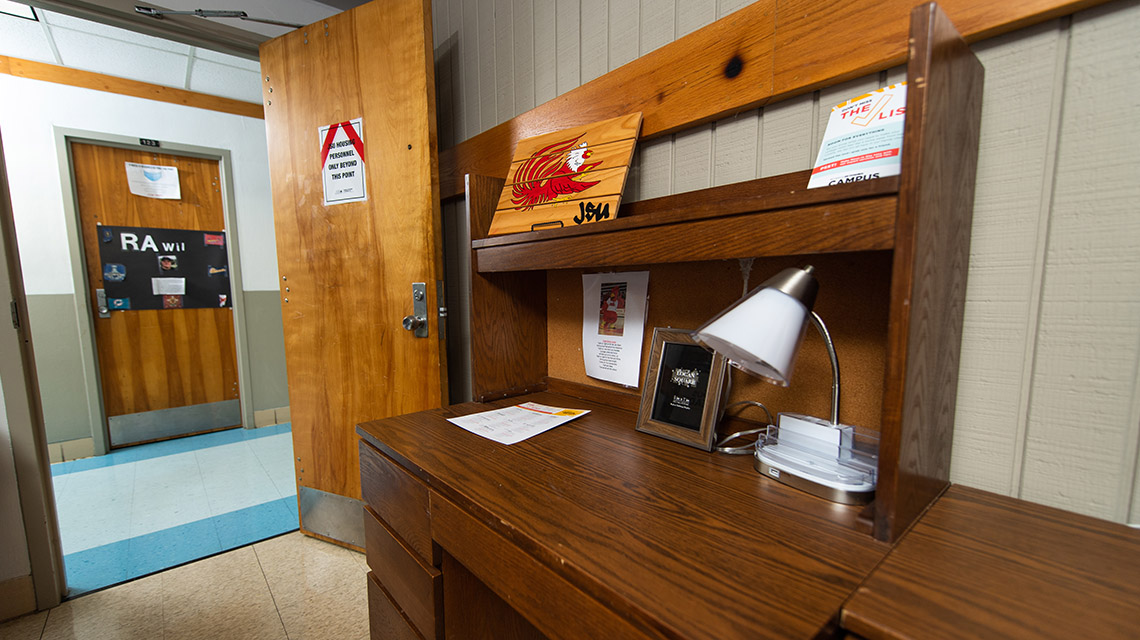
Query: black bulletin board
{"type": "Point", "coordinates": [144, 268]}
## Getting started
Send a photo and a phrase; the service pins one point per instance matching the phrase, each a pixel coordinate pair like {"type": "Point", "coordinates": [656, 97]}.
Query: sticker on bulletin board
{"type": "Point", "coordinates": [342, 162]}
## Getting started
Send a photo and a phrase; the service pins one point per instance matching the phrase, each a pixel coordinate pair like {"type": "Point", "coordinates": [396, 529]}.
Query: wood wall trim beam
{"type": "Point", "coordinates": [787, 47]}
{"type": "Point", "coordinates": [123, 86]}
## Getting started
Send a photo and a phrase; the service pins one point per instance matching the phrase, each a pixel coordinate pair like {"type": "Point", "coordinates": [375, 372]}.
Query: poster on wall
{"type": "Point", "coordinates": [863, 140]}
{"type": "Point", "coordinates": [613, 322]}
{"type": "Point", "coordinates": [153, 181]}
{"type": "Point", "coordinates": [147, 268]}
{"type": "Point", "coordinates": [342, 162]}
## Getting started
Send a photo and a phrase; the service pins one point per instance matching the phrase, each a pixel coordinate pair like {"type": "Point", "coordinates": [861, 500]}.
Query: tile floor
{"type": "Point", "coordinates": [287, 588]}
{"type": "Point", "coordinates": [151, 507]}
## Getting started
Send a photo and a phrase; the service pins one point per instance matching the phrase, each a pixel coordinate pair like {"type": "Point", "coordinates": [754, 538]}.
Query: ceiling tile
{"type": "Point", "coordinates": [117, 58]}
{"type": "Point", "coordinates": [58, 21]}
{"type": "Point", "coordinates": [223, 80]}
{"type": "Point", "coordinates": [22, 38]}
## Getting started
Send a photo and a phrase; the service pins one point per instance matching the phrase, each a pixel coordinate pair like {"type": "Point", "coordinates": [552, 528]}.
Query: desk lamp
{"type": "Point", "coordinates": [761, 334]}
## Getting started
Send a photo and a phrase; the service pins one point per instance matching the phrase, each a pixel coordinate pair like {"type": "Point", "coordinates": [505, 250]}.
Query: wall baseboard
{"type": "Point", "coordinates": [267, 417]}
{"type": "Point", "coordinates": [71, 449]}
{"type": "Point", "coordinates": [17, 597]}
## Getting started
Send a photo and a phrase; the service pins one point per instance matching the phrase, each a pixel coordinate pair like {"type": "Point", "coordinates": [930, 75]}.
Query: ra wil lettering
{"type": "Point", "coordinates": [130, 242]}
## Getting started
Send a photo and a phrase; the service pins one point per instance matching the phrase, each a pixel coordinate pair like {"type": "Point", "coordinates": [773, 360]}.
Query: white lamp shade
{"type": "Point", "coordinates": [760, 334]}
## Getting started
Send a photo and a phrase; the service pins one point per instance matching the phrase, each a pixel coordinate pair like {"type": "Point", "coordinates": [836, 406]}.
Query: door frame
{"type": "Point", "coordinates": [64, 136]}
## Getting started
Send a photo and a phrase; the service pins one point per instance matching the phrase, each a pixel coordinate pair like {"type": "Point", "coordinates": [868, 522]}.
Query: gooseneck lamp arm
{"type": "Point", "coordinates": [817, 322]}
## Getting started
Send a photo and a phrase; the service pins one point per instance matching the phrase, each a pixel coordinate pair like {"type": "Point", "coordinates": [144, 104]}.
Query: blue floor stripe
{"type": "Point", "coordinates": [123, 560]}
{"type": "Point", "coordinates": [167, 448]}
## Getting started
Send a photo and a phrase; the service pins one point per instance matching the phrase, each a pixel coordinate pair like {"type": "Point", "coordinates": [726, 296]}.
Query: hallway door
{"type": "Point", "coordinates": [357, 102]}
{"type": "Point", "coordinates": [171, 370]}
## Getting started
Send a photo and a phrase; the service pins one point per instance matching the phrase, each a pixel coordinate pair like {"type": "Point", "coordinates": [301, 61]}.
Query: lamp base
{"type": "Point", "coordinates": [771, 467]}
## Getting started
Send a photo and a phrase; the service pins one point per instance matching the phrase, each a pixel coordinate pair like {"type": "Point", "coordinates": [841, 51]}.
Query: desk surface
{"type": "Point", "coordinates": [680, 542]}
{"type": "Point", "coordinates": [980, 565]}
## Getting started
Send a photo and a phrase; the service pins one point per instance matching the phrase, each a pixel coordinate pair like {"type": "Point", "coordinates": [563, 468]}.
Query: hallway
{"type": "Point", "coordinates": [154, 506]}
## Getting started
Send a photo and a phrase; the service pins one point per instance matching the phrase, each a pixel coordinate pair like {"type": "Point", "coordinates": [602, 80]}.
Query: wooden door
{"type": "Point", "coordinates": [347, 270]}
{"type": "Point", "coordinates": [163, 372]}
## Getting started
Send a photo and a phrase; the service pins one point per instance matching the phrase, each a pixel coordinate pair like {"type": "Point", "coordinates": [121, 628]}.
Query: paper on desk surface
{"type": "Point", "coordinates": [517, 423]}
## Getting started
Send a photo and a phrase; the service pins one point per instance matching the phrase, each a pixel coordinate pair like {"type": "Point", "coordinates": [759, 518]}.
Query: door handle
{"type": "Point", "coordinates": [101, 302]}
{"type": "Point", "coordinates": [417, 322]}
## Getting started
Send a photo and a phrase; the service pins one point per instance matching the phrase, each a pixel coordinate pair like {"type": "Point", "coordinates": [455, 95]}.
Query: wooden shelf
{"type": "Point", "coordinates": [774, 216]}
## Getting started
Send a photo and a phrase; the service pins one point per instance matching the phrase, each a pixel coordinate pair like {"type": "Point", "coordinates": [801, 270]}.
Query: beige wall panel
{"type": "Point", "coordinates": [1011, 202]}
{"type": "Point", "coordinates": [787, 131]}
{"type": "Point", "coordinates": [692, 159]}
{"type": "Point", "coordinates": [1081, 447]}
{"type": "Point", "coordinates": [694, 14]}
{"type": "Point", "coordinates": [485, 38]}
{"type": "Point", "coordinates": [63, 391]}
{"type": "Point", "coordinates": [568, 41]}
{"type": "Point", "coordinates": [469, 54]}
{"type": "Point", "coordinates": [545, 52]}
{"type": "Point", "coordinates": [623, 33]}
{"type": "Point", "coordinates": [505, 78]}
{"type": "Point", "coordinates": [594, 39]}
{"type": "Point", "coordinates": [658, 24]}
{"type": "Point", "coordinates": [523, 12]}
{"type": "Point", "coordinates": [655, 168]}
{"type": "Point", "coordinates": [736, 143]}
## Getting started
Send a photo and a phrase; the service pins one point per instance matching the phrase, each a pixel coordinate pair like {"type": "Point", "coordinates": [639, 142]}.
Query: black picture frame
{"type": "Point", "coordinates": [682, 394]}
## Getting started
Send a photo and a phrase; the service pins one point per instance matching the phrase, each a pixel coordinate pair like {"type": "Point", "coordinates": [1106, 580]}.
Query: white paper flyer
{"type": "Point", "coordinates": [613, 323]}
{"type": "Point", "coordinates": [342, 162]}
{"type": "Point", "coordinates": [517, 423]}
{"type": "Point", "coordinates": [153, 181]}
{"type": "Point", "coordinates": [863, 139]}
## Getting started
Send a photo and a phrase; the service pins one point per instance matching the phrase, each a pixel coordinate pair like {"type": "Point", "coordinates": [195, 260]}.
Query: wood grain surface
{"type": "Point", "coordinates": [855, 225]}
{"type": "Point", "coordinates": [347, 270]}
{"type": "Point", "coordinates": [785, 47]}
{"type": "Point", "coordinates": [399, 500]}
{"type": "Point", "coordinates": [385, 616]}
{"type": "Point", "coordinates": [472, 610]}
{"type": "Point", "coordinates": [678, 541]}
{"type": "Point", "coordinates": [188, 355]}
{"type": "Point", "coordinates": [980, 565]}
{"type": "Point", "coordinates": [416, 588]}
{"type": "Point", "coordinates": [503, 362]}
{"type": "Point", "coordinates": [928, 286]}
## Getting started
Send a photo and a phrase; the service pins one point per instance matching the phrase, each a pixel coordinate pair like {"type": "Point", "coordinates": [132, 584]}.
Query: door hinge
{"type": "Point", "coordinates": [15, 315]}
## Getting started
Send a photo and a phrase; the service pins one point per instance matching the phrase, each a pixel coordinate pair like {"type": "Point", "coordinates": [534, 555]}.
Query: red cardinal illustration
{"type": "Point", "coordinates": [549, 174]}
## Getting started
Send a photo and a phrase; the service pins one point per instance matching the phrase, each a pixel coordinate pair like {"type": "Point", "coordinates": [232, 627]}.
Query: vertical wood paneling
{"type": "Point", "coordinates": [524, 55]}
{"type": "Point", "coordinates": [485, 25]}
{"type": "Point", "coordinates": [655, 171]}
{"type": "Point", "coordinates": [595, 39]}
{"type": "Point", "coordinates": [469, 52]}
{"type": "Point", "coordinates": [725, 7]}
{"type": "Point", "coordinates": [692, 159]}
{"type": "Point", "coordinates": [505, 78]}
{"type": "Point", "coordinates": [658, 24]}
{"type": "Point", "coordinates": [1081, 447]}
{"type": "Point", "coordinates": [786, 136]}
{"type": "Point", "coordinates": [1011, 202]}
{"type": "Point", "coordinates": [568, 24]}
{"type": "Point", "coordinates": [545, 52]}
{"type": "Point", "coordinates": [625, 45]}
{"type": "Point", "coordinates": [735, 141]}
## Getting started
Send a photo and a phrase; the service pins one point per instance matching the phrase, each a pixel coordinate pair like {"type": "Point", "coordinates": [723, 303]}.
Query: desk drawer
{"type": "Point", "coordinates": [545, 598]}
{"type": "Point", "coordinates": [384, 619]}
{"type": "Point", "coordinates": [416, 588]}
{"type": "Point", "coordinates": [399, 499]}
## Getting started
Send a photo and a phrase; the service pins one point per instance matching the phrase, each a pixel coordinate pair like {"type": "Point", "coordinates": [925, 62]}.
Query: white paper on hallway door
{"type": "Point", "coordinates": [613, 323]}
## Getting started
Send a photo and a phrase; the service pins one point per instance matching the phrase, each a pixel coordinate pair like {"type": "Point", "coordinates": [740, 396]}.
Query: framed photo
{"type": "Point", "coordinates": [683, 390]}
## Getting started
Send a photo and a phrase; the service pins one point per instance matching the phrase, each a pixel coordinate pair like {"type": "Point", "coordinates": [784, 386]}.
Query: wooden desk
{"type": "Point", "coordinates": [980, 565]}
{"type": "Point", "coordinates": [595, 530]}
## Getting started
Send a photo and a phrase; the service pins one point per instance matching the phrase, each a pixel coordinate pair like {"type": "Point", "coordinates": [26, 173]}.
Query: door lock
{"type": "Point", "coordinates": [417, 322]}
{"type": "Point", "coordinates": [101, 302]}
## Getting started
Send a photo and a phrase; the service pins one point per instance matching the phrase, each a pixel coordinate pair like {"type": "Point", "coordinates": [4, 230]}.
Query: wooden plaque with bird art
{"type": "Point", "coordinates": [567, 178]}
